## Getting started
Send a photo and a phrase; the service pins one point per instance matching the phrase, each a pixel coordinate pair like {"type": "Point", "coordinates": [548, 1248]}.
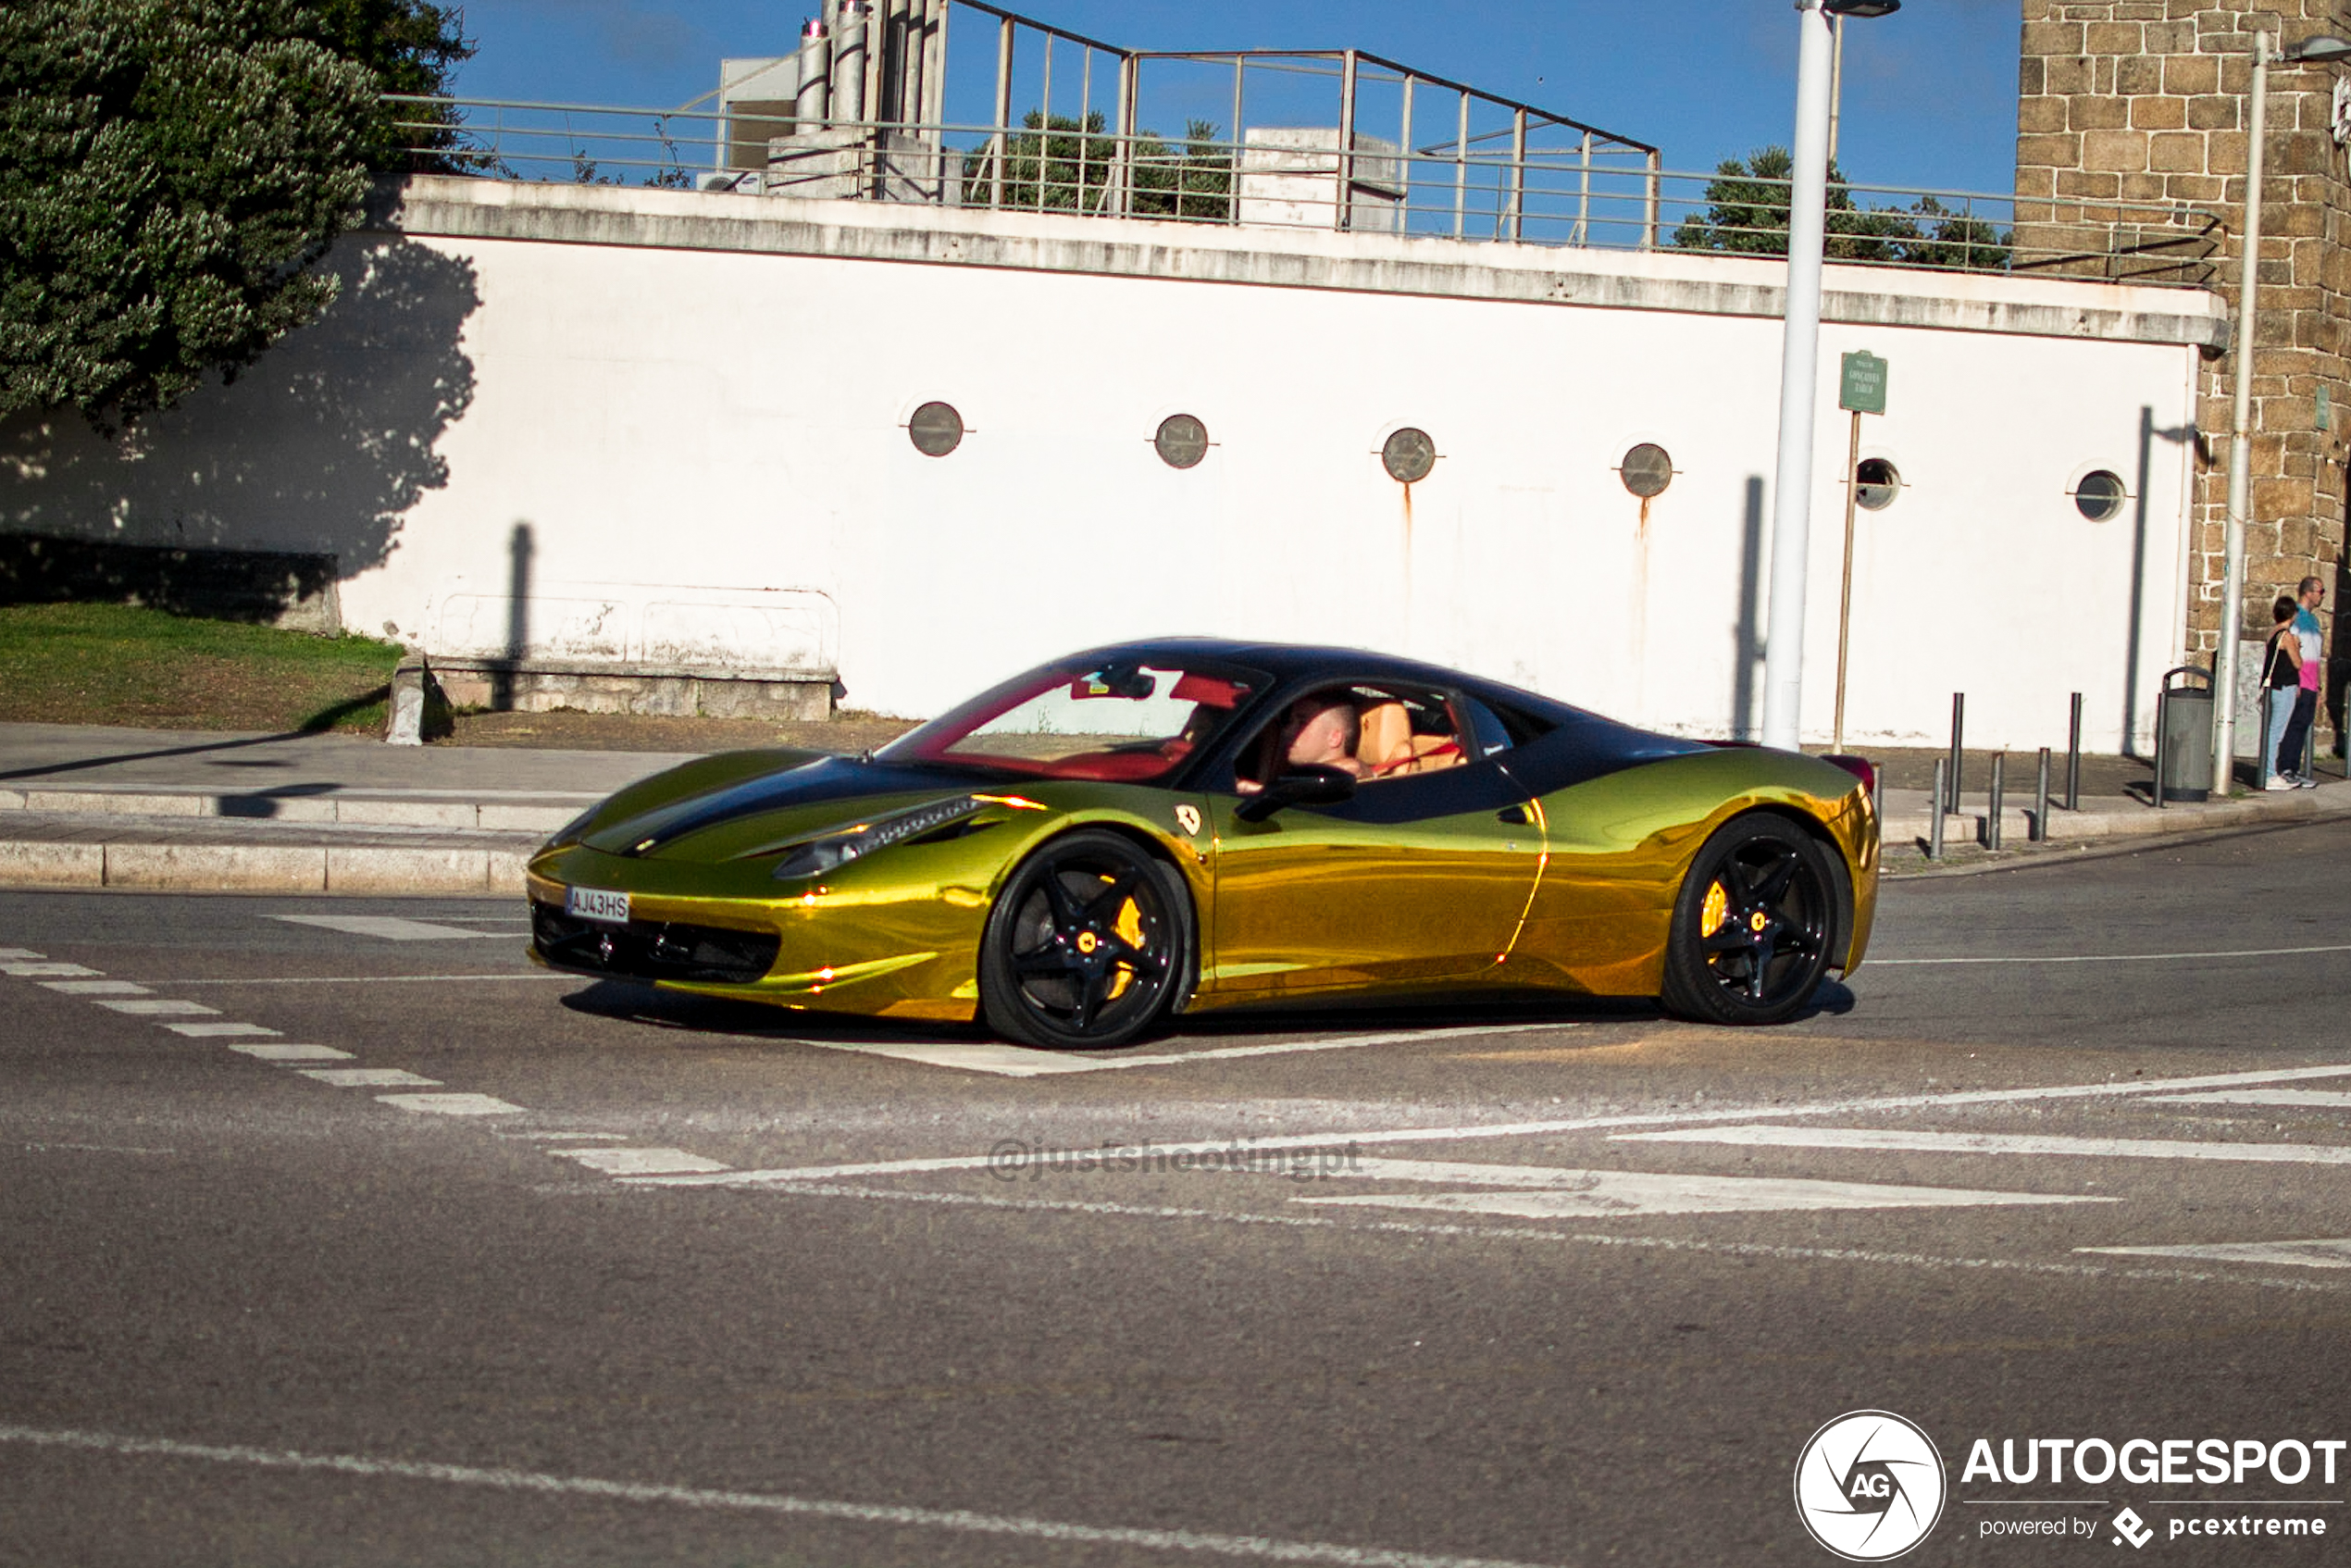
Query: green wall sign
{"type": "Point", "coordinates": [1862, 389]}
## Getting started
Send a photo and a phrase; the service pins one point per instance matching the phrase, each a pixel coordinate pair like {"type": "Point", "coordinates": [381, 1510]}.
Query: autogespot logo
{"type": "Point", "coordinates": [1869, 1486]}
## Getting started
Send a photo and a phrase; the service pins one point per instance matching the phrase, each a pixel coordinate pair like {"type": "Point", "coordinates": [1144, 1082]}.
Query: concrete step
{"type": "Point", "coordinates": [496, 811]}
{"type": "Point", "coordinates": [251, 868]}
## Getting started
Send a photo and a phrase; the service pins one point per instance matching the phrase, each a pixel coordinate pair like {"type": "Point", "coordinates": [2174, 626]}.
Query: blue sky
{"type": "Point", "coordinates": [1930, 93]}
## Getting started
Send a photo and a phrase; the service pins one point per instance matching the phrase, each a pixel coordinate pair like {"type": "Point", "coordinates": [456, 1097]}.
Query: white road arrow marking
{"type": "Point", "coordinates": [1885, 1138]}
{"type": "Point", "coordinates": [390, 928]}
{"type": "Point", "coordinates": [2309, 1254]}
{"type": "Point", "coordinates": [1547, 1193]}
{"type": "Point", "coordinates": [2314, 1098]}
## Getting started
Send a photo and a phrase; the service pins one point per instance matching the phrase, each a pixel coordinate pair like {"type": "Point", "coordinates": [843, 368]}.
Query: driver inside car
{"type": "Point", "coordinates": [1318, 731]}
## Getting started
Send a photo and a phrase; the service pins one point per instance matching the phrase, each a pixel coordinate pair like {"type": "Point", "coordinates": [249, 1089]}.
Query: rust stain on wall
{"type": "Point", "coordinates": [1640, 606]}
{"type": "Point", "coordinates": [1407, 487]}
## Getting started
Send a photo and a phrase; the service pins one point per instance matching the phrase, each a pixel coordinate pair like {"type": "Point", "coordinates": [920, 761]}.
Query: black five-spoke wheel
{"type": "Point", "coordinates": [1086, 946]}
{"type": "Point", "coordinates": [1753, 926]}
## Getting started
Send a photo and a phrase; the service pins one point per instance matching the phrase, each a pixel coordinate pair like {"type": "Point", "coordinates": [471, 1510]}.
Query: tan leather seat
{"type": "Point", "coordinates": [1389, 749]}
{"type": "Point", "coordinates": [1384, 743]}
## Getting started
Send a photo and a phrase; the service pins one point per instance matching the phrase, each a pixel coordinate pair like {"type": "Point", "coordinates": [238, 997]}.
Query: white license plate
{"type": "Point", "coordinates": [595, 904]}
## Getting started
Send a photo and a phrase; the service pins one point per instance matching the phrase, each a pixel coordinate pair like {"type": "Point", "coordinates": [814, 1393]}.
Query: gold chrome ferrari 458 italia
{"type": "Point", "coordinates": [1166, 827]}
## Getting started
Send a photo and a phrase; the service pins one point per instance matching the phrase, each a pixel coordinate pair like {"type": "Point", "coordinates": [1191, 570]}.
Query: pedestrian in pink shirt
{"type": "Point", "coordinates": [2292, 763]}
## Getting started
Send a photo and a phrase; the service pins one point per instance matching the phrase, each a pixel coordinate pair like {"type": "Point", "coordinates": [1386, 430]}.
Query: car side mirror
{"type": "Point", "coordinates": [1311, 786]}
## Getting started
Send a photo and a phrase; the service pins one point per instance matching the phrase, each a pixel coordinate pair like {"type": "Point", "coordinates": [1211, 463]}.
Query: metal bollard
{"type": "Point", "coordinates": [2073, 758]}
{"type": "Point", "coordinates": [1935, 823]}
{"type": "Point", "coordinates": [2041, 802]}
{"type": "Point", "coordinates": [1992, 820]}
{"type": "Point", "coordinates": [1958, 731]}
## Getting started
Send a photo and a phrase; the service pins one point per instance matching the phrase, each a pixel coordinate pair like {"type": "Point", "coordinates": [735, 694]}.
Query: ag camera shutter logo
{"type": "Point", "coordinates": [1869, 1486]}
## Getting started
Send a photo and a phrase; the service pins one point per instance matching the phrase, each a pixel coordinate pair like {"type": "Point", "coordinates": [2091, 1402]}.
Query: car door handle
{"type": "Point", "coordinates": [1515, 815]}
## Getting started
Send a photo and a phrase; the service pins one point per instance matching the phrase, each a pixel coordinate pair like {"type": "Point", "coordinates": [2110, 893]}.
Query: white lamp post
{"type": "Point", "coordinates": [1799, 364]}
{"type": "Point", "coordinates": [2319, 50]}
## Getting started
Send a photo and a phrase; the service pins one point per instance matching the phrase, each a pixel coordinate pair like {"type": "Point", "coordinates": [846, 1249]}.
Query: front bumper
{"type": "Point", "coordinates": [901, 952]}
{"type": "Point", "coordinates": [650, 949]}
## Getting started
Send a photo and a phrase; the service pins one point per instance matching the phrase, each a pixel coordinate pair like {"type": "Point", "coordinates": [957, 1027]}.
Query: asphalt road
{"type": "Point", "coordinates": [639, 1279]}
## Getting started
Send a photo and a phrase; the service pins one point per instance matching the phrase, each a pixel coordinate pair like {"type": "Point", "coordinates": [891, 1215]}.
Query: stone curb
{"type": "Point", "coordinates": [258, 869]}
{"type": "Point", "coordinates": [526, 813]}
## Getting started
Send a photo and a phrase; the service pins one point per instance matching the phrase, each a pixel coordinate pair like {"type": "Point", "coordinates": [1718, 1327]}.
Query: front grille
{"type": "Point", "coordinates": [653, 950]}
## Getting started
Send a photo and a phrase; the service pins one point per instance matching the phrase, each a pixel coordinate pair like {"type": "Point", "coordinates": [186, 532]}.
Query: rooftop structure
{"type": "Point", "coordinates": [963, 103]}
{"type": "Point", "coordinates": [884, 101]}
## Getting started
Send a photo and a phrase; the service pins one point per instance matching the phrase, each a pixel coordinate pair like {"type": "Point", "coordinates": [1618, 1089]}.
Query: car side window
{"type": "Point", "coordinates": [1378, 733]}
{"type": "Point", "coordinates": [1482, 727]}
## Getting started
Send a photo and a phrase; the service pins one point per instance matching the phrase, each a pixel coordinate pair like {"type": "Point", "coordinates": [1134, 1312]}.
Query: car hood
{"type": "Point", "coordinates": [747, 815]}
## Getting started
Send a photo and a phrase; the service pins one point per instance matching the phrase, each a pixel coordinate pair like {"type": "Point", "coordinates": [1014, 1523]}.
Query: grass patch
{"type": "Point", "coordinates": [110, 664]}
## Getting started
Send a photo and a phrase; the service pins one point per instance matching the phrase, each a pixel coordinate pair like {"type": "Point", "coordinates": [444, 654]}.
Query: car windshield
{"type": "Point", "coordinates": [1132, 721]}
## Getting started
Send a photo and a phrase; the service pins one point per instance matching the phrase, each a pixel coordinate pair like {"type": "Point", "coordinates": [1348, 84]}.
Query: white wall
{"type": "Point", "coordinates": [715, 415]}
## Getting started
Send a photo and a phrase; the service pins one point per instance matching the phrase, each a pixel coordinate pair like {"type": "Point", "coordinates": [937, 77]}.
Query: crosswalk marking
{"type": "Point", "coordinates": [451, 1104]}
{"type": "Point", "coordinates": [35, 971]}
{"type": "Point", "coordinates": [639, 1161]}
{"type": "Point", "coordinates": [217, 1031]}
{"type": "Point", "coordinates": [368, 1078]}
{"type": "Point", "coordinates": [2336, 1253]}
{"type": "Point", "coordinates": [2313, 1099]}
{"type": "Point", "coordinates": [94, 988]}
{"type": "Point", "coordinates": [1546, 1193]}
{"type": "Point", "coordinates": [158, 1007]}
{"type": "Point", "coordinates": [1884, 1139]}
{"type": "Point", "coordinates": [390, 928]}
{"type": "Point", "coordinates": [19, 955]}
{"type": "Point", "coordinates": [294, 1053]}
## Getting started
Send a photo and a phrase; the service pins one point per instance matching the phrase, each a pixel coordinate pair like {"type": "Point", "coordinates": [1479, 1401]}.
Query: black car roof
{"type": "Point", "coordinates": [1291, 660]}
{"type": "Point", "coordinates": [1577, 745]}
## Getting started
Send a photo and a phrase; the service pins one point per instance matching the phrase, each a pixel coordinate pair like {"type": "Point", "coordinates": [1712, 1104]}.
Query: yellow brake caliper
{"type": "Point", "coordinates": [1717, 910]}
{"type": "Point", "coordinates": [1129, 926]}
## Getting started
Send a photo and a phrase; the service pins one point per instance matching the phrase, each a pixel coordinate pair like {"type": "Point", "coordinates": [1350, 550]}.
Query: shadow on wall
{"type": "Point", "coordinates": [320, 448]}
{"type": "Point", "coordinates": [2134, 640]}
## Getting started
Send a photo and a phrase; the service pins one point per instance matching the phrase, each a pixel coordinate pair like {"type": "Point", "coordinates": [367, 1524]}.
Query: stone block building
{"type": "Point", "coordinates": [2131, 159]}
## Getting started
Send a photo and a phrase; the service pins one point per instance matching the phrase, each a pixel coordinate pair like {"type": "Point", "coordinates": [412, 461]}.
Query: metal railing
{"type": "Point", "coordinates": [1583, 193]}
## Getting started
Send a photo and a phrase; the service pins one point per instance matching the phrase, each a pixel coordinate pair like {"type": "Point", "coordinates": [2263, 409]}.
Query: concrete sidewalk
{"type": "Point", "coordinates": [209, 811]}
{"type": "Point", "coordinates": [1908, 820]}
{"type": "Point", "coordinates": [205, 811]}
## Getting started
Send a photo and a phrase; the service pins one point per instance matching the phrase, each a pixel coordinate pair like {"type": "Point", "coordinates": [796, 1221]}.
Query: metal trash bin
{"type": "Point", "coordinates": [2183, 736]}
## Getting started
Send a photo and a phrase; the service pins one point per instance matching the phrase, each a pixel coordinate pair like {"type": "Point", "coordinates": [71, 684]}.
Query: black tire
{"type": "Point", "coordinates": [1088, 946]}
{"type": "Point", "coordinates": [1753, 926]}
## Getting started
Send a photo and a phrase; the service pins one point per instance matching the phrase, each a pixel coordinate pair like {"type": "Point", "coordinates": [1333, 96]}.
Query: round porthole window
{"type": "Point", "coordinates": [1407, 456]}
{"type": "Point", "coordinates": [1877, 484]}
{"type": "Point", "coordinates": [1181, 441]}
{"type": "Point", "coordinates": [1647, 470]}
{"type": "Point", "coordinates": [2100, 495]}
{"type": "Point", "coordinates": [936, 430]}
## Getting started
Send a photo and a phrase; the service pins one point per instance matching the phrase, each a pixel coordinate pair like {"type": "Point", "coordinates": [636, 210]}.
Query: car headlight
{"type": "Point", "coordinates": [814, 857]}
